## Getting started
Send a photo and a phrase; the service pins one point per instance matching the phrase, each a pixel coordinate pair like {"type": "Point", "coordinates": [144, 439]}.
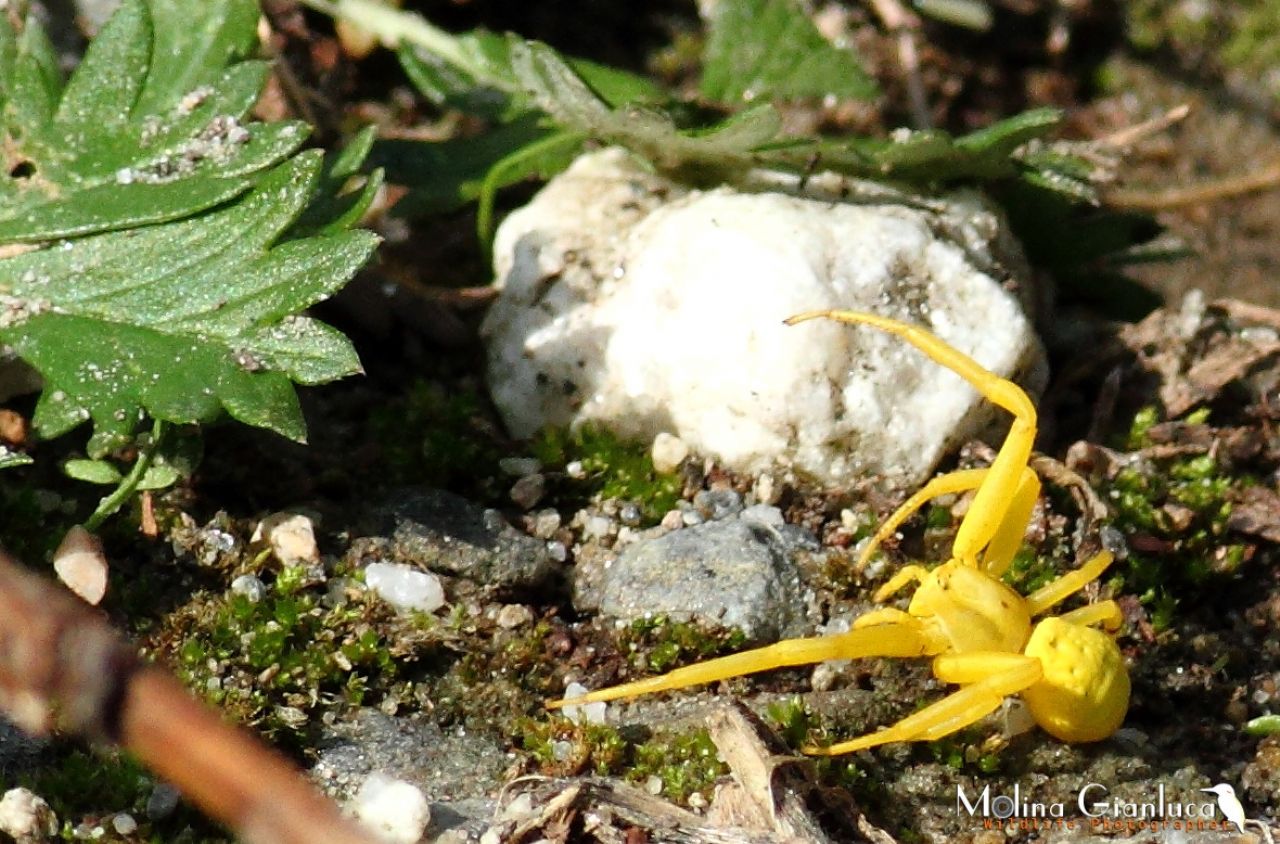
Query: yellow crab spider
{"type": "Point", "coordinates": [978, 630]}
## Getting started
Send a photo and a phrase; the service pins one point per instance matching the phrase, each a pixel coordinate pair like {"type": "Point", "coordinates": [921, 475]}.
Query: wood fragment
{"type": "Point", "coordinates": [775, 791]}
{"type": "Point", "coordinates": [63, 667]}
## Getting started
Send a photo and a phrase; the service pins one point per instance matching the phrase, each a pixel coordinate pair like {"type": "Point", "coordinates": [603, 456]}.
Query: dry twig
{"type": "Point", "coordinates": [63, 667]}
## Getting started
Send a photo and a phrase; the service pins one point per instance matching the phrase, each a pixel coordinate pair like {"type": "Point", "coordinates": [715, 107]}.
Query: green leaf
{"type": "Point", "coordinates": [448, 174]}
{"type": "Point", "coordinates": [150, 127]}
{"type": "Point", "coordinates": [475, 72]}
{"type": "Point", "coordinates": [10, 458]}
{"type": "Point", "coordinates": [92, 471]}
{"type": "Point", "coordinates": [159, 476]}
{"type": "Point", "coordinates": [188, 240]}
{"type": "Point", "coordinates": [185, 319]}
{"type": "Point", "coordinates": [559, 91]}
{"type": "Point", "coordinates": [762, 49]}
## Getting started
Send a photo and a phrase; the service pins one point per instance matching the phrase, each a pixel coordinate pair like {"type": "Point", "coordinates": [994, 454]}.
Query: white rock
{"type": "Point", "coordinates": [396, 811]}
{"type": "Point", "coordinates": [250, 586]}
{"type": "Point", "coordinates": [291, 536]}
{"type": "Point", "coordinates": [26, 817]}
{"type": "Point", "coordinates": [81, 565]}
{"type": "Point", "coordinates": [124, 824]}
{"type": "Point", "coordinates": [668, 453]}
{"type": "Point", "coordinates": [404, 587]}
{"type": "Point", "coordinates": [585, 713]}
{"type": "Point", "coordinates": [630, 300]}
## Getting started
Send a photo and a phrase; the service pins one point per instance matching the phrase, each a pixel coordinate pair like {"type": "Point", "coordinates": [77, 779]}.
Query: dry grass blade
{"type": "Point", "coordinates": [63, 667]}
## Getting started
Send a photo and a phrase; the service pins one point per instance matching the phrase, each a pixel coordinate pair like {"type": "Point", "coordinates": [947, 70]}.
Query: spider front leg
{"type": "Point", "coordinates": [988, 678]}
{"type": "Point", "coordinates": [1068, 584]}
{"type": "Point", "coordinates": [904, 637]}
{"type": "Point", "coordinates": [1006, 540]}
{"type": "Point", "coordinates": [989, 512]}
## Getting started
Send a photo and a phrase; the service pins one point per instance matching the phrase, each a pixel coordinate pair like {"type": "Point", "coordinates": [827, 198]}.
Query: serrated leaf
{"type": "Point", "coordinates": [760, 49]}
{"type": "Point", "coordinates": [149, 127]}
{"type": "Point", "coordinates": [473, 71]}
{"type": "Point", "coordinates": [186, 319]}
{"type": "Point", "coordinates": [561, 92]}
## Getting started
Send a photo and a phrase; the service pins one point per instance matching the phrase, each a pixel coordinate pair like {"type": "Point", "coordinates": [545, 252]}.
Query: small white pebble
{"type": "Point", "coordinates": [291, 536]}
{"type": "Point", "coordinates": [404, 587]}
{"type": "Point", "coordinates": [668, 452]}
{"type": "Point", "coordinates": [766, 490]}
{"type": "Point", "coordinates": [597, 527]}
{"type": "Point", "coordinates": [514, 615]}
{"type": "Point", "coordinates": [124, 824]}
{"type": "Point", "coordinates": [546, 523]}
{"type": "Point", "coordinates": [250, 586]}
{"type": "Point", "coordinates": [562, 750]}
{"type": "Point", "coordinates": [653, 784]}
{"type": "Point", "coordinates": [673, 520]}
{"type": "Point", "coordinates": [557, 551]}
{"type": "Point", "coordinates": [81, 565]}
{"type": "Point", "coordinates": [25, 816]}
{"type": "Point", "coordinates": [519, 467]}
{"type": "Point", "coordinates": [393, 809]}
{"type": "Point", "coordinates": [586, 713]}
{"type": "Point", "coordinates": [575, 470]}
{"type": "Point", "coordinates": [1016, 717]}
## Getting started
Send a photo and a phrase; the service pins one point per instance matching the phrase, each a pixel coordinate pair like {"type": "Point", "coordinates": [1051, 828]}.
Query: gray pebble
{"type": "Point", "coordinates": [528, 491]}
{"type": "Point", "coordinates": [731, 573]}
{"type": "Point", "coordinates": [715, 504]}
{"type": "Point", "coordinates": [446, 533]}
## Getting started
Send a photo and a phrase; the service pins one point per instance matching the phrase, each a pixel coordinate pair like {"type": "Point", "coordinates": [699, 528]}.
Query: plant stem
{"type": "Point", "coordinates": [129, 483]}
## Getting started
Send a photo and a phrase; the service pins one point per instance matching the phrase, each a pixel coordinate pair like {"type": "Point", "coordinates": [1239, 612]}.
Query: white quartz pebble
{"type": "Point", "coordinates": [405, 587]}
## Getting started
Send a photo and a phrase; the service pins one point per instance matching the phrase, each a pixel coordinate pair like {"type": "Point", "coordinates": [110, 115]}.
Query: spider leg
{"type": "Point", "coordinates": [1007, 539]}
{"type": "Point", "coordinates": [988, 678]}
{"type": "Point", "coordinates": [952, 482]}
{"type": "Point", "coordinates": [1104, 614]}
{"type": "Point", "coordinates": [1058, 590]}
{"type": "Point", "coordinates": [900, 639]}
{"type": "Point", "coordinates": [988, 511]}
{"type": "Point", "coordinates": [905, 575]}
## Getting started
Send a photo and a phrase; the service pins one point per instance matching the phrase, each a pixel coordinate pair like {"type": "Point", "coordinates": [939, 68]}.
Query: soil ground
{"type": "Point", "coordinates": [1201, 641]}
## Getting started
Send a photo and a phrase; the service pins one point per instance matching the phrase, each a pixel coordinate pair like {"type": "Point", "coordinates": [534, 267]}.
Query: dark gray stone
{"type": "Point", "coordinates": [459, 772]}
{"type": "Point", "coordinates": [731, 573]}
{"type": "Point", "coordinates": [449, 534]}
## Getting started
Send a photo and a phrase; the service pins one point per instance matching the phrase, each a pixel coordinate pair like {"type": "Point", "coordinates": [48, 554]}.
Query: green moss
{"type": "Point", "coordinates": [562, 748]}
{"type": "Point", "coordinates": [83, 785]}
{"type": "Point", "coordinates": [441, 439]}
{"type": "Point", "coordinates": [274, 663]}
{"type": "Point", "coordinates": [614, 468]}
{"type": "Point", "coordinates": [800, 727]}
{"type": "Point", "coordinates": [1030, 570]}
{"type": "Point", "coordinates": [685, 763]}
{"type": "Point", "coordinates": [667, 644]}
{"type": "Point", "coordinates": [1179, 506]}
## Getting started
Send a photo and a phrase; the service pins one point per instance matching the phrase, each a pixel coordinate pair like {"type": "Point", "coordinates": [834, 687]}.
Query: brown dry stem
{"type": "Point", "coordinates": [63, 667]}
